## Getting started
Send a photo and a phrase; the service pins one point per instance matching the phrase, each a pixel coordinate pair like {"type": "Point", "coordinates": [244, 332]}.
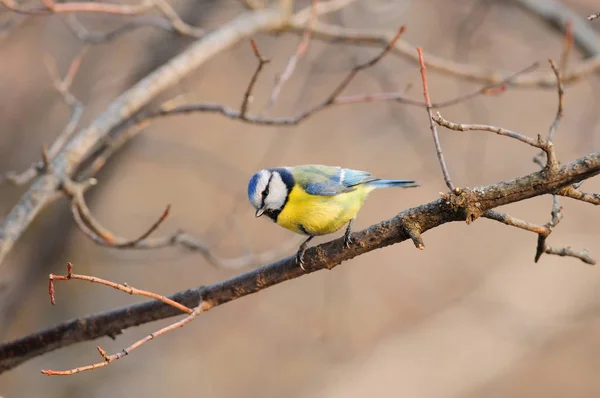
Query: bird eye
{"type": "Point", "coordinates": [265, 193]}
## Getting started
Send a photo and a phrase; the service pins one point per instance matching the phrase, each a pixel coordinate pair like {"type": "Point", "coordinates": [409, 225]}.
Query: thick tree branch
{"type": "Point", "coordinates": [44, 187]}
{"type": "Point", "coordinates": [462, 205]}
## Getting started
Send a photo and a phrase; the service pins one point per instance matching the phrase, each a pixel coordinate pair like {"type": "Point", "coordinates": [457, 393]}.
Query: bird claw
{"type": "Point", "coordinates": [347, 241]}
{"type": "Point", "coordinates": [300, 260]}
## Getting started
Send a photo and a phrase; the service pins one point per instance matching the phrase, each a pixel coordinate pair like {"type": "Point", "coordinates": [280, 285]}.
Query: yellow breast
{"type": "Point", "coordinates": [321, 215]}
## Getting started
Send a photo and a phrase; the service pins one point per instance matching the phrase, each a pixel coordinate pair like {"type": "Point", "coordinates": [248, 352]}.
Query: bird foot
{"type": "Point", "coordinates": [299, 258]}
{"type": "Point", "coordinates": [347, 241]}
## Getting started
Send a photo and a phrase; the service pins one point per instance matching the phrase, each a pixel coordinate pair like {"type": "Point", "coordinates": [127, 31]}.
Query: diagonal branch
{"type": "Point", "coordinates": [573, 193]}
{"type": "Point", "coordinates": [99, 234]}
{"type": "Point", "coordinates": [293, 60]}
{"type": "Point", "coordinates": [248, 94]}
{"type": "Point", "coordinates": [465, 205]}
{"type": "Point", "coordinates": [371, 37]}
{"type": "Point", "coordinates": [44, 187]}
{"type": "Point", "coordinates": [139, 121]}
{"type": "Point", "coordinates": [62, 86]}
{"type": "Point", "coordinates": [432, 126]}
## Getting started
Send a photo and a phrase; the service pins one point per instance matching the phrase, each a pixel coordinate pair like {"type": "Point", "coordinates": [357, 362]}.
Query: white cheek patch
{"type": "Point", "coordinates": [261, 185]}
{"type": "Point", "coordinates": [277, 193]}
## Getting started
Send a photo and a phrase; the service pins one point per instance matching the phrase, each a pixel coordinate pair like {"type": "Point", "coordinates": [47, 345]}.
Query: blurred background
{"type": "Point", "coordinates": [470, 316]}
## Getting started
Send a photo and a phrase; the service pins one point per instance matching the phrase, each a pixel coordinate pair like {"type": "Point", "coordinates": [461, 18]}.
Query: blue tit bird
{"type": "Point", "coordinates": [314, 200]}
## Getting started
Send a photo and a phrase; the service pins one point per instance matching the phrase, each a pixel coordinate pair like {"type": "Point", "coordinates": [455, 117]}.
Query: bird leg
{"type": "Point", "coordinates": [347, 239]}
{"type": "Point", "coordinates": [301, 251]}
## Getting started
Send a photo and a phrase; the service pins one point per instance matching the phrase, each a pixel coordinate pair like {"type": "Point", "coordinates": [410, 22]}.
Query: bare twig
{"type": "Point", "coordinates": [561, 92]}
{"type": "Point", "coordinates": [593, 16]}
{"type": "Point", "coordinates": [94, 230]}
{"type": "Point", "coordinates": [400, 97]}
{"type": "Point", "coordinates": [171, 20]}
{"type": "Point", "coordinates": [432, 126]}
{"type": "Point", "coordinates": [248, 94]}
{"type": "Point", "coordinates": [556, 211]}
{"type": "Point", "coordinates": [551, 161]}
{"type": "Point", "coordinates": [514, 222]}
{"type": "Point", "coordinates": [49, 6]}
{"type": "Point", "coordinates": [192, 313]}
{"type": "Point", "coordinates": [62, 86]}
{"type": "Point", "coordinates": [573, 193]}
{"type": "Point", "coordinates": [464, 71]}
{"type": "Point", "coordinates": [293, 60]}
{"type": "Point", "coordinates": [122, 287]}
{"type": "Point", "coordinates": [568, 252]}
{"type": "Point", "coordinates": [141, 120]}
{"type": "Point", "coordinates": [176, 22]}
{"type": "Point", "coordinates": [482, 127]}
{"type": "Point", "coordinates": [455, 207]}
{"type": "Point", "coordinates": [92, 37]}
{"type": "Point", "coordinates": [567, 48]}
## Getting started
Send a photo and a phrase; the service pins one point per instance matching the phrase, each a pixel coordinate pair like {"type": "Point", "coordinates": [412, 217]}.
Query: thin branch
{"type": "Point", "coordinates": [85, 35]}
{"type": "Point", "coordinates": [464, 71]}
{"type": "Point", "coordinates": [49, 6]}
{"type": "Point", "coordinates": [490, 89]}
{"type": "Point", "coordinates": [514, 222]}
{"type": "Point", "coordinates": [551, 161]}
{"type": "Point", "coordinates": [248, 94]}
{"type": "Point", "coordinates": [552, 165]}
{"type": "Point", "coordinates": [192, 313]}
{"type": "Point", "coordinates": [453, 207]}
{"type": "Point", "coordinates": [567, 48]}
{"type": "Point", "coordinates": [293, 60]}
{"type": "Point", "coordinates": [482, 127]}
{"type": "Point", "coordinates": [543, 232]}
{"type": "Point", "coordinates": [432, 126]}
{"type": "Point", "coordinates": [176, 22]}
{"type": "Point", "coordinates": [100, 235]}
{"type": "Point", "coordinates": [122, 287]}
{"type": "Point", "coordinates": [593, 16]}
{"type": "Point", "coordinates": [561, 93]}
{"type": "Point", "coordinates": [135, 126]}
{"type": "Point", "coordinates": [92, 228]}
{"type": "Point", "coordinates": [141, 120]}
{"type": "Point", "coordinates": [62, 86]}
{"type": "Point", "coordinates": [570, 192]}
{"type": "Point", "coordinates": [400, 97]}
{"type": "Point", "coordinates": [342, 86]}
{"type": "Point", "coordinates": [568, 252]}
{"type": "Point", "coordinates": [171, 20]}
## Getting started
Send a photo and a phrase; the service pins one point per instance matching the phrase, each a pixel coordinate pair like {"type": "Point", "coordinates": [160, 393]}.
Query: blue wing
{"type": "Point", "coordinates": [329, 180]}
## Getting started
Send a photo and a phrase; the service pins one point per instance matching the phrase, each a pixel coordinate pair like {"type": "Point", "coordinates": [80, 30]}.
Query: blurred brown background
{"type": "Point", "coordinates": [471, 316]}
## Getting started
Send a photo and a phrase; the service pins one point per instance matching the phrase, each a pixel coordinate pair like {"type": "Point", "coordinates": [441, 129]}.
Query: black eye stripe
{"type": "Point", "coordinates": [265, 191]}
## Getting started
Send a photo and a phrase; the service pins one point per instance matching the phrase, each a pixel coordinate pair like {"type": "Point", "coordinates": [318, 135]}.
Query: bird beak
{"type": "Point", "coordinates": [259, 212]}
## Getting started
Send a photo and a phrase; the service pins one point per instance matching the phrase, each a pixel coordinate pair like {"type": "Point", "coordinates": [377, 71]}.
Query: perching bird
{"type": "Point", "coordinates": [314, 200]}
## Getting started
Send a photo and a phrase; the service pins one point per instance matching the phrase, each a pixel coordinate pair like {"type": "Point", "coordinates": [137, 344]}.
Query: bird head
{"type": "Point", "coordinates": [268, 191]}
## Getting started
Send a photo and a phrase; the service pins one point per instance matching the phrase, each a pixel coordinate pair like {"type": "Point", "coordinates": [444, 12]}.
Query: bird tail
{"type": "Point", "coordinates": [393, 183]}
